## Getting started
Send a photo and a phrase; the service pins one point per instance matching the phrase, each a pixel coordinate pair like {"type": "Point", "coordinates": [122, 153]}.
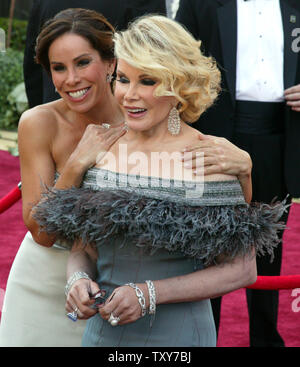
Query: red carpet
{"type": "Point", "coordinates": [12, 229]}
{"type": "Point", "coordinates": [234, 317]}
{"type": "Point", "coordinates": [234, 328]}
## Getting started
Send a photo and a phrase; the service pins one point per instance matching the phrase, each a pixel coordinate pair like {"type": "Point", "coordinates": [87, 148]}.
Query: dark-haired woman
{"type": "Point", "coordinates": [58, 142]}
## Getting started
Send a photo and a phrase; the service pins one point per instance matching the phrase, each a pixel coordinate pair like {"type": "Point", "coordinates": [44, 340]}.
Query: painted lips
{"type": "Point", "coordinates": [136, 112]}
{"type": "Point", "coordinates": [79, 94]}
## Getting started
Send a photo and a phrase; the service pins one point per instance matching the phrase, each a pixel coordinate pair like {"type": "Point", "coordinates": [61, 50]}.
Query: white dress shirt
{"type": "Point", "coordinates": [259, 68]}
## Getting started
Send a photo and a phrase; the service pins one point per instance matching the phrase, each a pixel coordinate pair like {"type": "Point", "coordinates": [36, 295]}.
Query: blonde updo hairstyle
{"type": "Point", "coordinates": [163, 49]}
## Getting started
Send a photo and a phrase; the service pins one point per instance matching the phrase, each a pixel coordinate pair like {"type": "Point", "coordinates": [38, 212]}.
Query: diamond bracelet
{"type": "Point", "coordinates": [152, 297]}
{"type": "Point", "coordinates": [152, 300]}
{"type": "Point", "coordinates": [73, 278]}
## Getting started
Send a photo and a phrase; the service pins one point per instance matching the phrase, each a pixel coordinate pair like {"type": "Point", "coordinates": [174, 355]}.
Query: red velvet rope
{"type": "Point", "coordinates": [11, 198]}
{"type": "Point", "coordinates": [276, 282]}
{"type": "Point", "coordinates": [262, 282]}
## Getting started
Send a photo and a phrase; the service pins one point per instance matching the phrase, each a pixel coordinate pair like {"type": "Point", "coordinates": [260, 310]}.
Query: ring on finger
{"type": "Point", "coordinates": [73, 315]}
{"type": "Point", "coordinates": [106, 126]}
{"type": "Point", "coordinates": [113, 320]}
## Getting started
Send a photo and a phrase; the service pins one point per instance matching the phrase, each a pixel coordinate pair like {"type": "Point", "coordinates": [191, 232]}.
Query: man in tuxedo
{"type": "Point", "coordinates": [39, 87]}
{"type": "Point", "coordinates": [258, 110]}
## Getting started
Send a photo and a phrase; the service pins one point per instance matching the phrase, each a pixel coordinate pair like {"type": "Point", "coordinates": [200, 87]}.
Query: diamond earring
{"type": "Point", "coordinates": [174, 124]}
{"type": "Point", "coordinates": [109, 78]}
{"type": "Point", "coordinates": [126, 126]}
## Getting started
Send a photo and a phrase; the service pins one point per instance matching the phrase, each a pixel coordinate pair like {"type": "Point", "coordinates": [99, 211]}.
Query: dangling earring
{"type": "Point", "coordinates": [174, 124]}
{"type": "Point", "coordinates": [55, 90]}
{"type": "Point", "coordinates": [126, 126]}
{"type": "Point", "coordinates": [109, 78]}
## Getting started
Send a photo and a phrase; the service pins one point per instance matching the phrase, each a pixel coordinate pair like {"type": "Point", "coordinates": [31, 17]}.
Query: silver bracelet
{"type": "Point", "coordinates": [73, 278]}
{"type": "Point", "coordinates": [140, 296]}
{"type": "Point", "coordinates": [152, 300]}
{"type": "Point", "coordinates": [152, 297]}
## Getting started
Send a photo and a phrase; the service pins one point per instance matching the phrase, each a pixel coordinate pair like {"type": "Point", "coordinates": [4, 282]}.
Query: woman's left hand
{"type": "Point", "coordinates": [123, 303]}
{"type": "Point", "coordinates": [220, 156]}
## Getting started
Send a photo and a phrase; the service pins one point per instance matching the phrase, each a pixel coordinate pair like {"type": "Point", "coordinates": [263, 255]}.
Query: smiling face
{"type": "Point", "coordinates": [135, 94]}
{"type": "Point", "coordinates": [78, 72]}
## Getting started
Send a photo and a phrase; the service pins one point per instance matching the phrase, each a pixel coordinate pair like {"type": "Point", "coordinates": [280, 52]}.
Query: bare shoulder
{"type": "Point", "coordinates": [220, 177]}
{"type": "Point", "coordinates": [190, 136]}
{"type": "Point", "coordinates": [39, 117]}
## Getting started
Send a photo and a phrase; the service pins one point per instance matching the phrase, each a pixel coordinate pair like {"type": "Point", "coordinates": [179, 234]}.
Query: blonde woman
{"type": "Point", "coordinates": [165, 242]}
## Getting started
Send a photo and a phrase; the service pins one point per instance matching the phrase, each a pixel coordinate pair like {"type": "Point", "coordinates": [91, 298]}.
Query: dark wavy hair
{"type": "Point", "coordinates": [89, 24]}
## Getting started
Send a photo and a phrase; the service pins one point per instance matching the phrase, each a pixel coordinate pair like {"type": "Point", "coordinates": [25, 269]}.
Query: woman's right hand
{"type": "Point", "coordinates": [92, 147]}
{"type": "Point", "coordinates": [95, 143]}
{"type": "Point", "coordinates": [79, 297]}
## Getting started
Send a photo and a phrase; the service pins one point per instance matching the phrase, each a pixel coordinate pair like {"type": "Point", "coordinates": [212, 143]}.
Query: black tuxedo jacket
{"type": "Point", "coordinates": [214, 22]}
{"type": "Point", "coordinates": [39, 87]}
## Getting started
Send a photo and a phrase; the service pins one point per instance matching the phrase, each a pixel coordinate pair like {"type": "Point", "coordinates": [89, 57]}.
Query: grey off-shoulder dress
{"type": "Point", "coordinates": [153, 228]}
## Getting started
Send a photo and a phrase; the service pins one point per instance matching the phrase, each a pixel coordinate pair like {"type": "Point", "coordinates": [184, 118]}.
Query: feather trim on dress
{"type": "Point", "coordinates": [202, 232]}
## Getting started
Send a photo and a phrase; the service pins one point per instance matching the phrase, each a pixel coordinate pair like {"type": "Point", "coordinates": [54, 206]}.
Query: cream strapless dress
{"type": "Point", "coordinates": [33, 313]}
